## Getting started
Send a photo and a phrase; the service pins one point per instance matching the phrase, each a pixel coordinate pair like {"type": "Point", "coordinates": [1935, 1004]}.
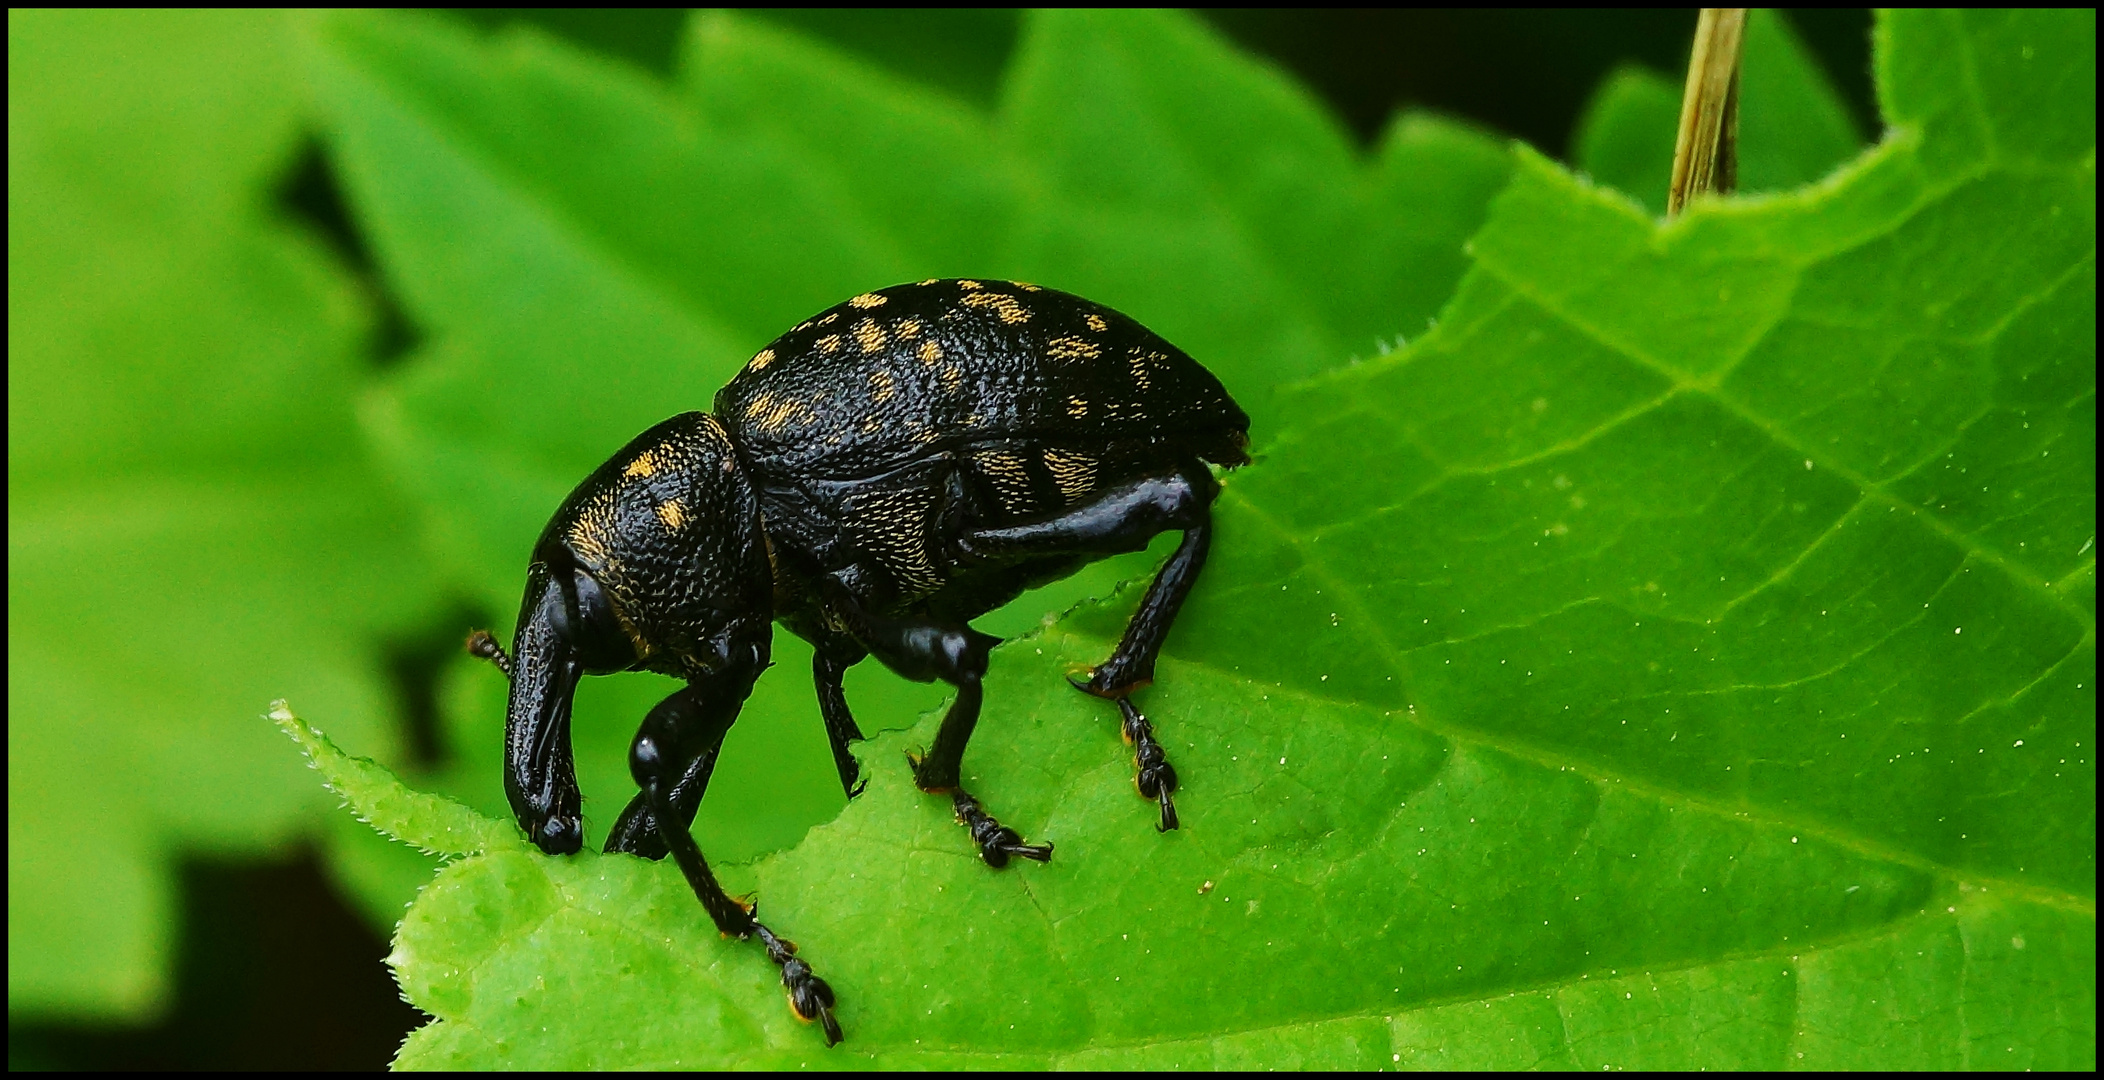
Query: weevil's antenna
{"type": "Point", "coordinates": [1706, 155]}
{"type": "Point", "coordinates": [483, 645]}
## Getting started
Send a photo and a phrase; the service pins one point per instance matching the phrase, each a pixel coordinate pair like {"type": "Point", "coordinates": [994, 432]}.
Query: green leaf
{"type": "Point", "coordinates": [1681, 657]}
{"type": "Point", "coordinates": [632, 247]}
{"type": "Point", "coordinates": [1625, 136]}
{"type": "Point", "coordinates": [192, 529]}
{"type": "Point", "coordinates": [432, 824]}
{"type": "Point", "coordinates": [1793, 125]}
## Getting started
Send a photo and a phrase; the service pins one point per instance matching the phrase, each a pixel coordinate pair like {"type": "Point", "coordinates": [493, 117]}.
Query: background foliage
{"type": "Point", "coordinates": [1794, 396]}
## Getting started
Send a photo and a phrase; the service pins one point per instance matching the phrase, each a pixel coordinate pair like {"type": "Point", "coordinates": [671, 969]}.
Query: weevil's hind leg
{"type": "Point", "coordinates": [1125, 519]}
{"type": "Point", "coordinates": [958, 656]}
{"type": "Point", "coordinates": [1131, 664]}
{"type": "Point", "coordinates": [829, 665]}
{"type": "Point", "coordinates": [671, 759]}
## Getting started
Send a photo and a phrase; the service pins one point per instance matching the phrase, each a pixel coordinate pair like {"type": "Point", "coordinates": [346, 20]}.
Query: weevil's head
{"type": "Point", "coordinates": [656, 561]}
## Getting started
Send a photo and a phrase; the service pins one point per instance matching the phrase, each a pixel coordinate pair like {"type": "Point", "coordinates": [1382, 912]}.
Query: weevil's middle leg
{"type": "Point", "coordinates": [997, 842]}
{"type": "Point", "coordinates": [940, 771]}
{"type": "Point", "coordinates": [829, 664]}
{"type": "Point", "coordinates": [958, 656]}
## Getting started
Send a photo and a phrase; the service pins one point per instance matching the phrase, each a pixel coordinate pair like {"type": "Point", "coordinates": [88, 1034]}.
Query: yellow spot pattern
{"type": "Point", "coordinates": [930, 352]}
{"type": "Point", "coordinates": [1077, 407]}
{"type": "Point", "coordinates": [672, 514]}
{"type": "Point", "coordinates": [868, 300]}
{"type": "Point", "coordinates": [907, 329]}
{"type": "Point", "coordinates": [1027, 287]}
{"type": "Point", "coordinates": [760, 360]}
{"type": "Point", "coordinates": [869, 337]}
{"type": "Point", "coordinates": [828, 320]}
{"type": "Point", "coordinates": [952, 378]}
{"type": "Point", "coordinates": [588, 548]}
{"type": "Point", "coordinates": [829, 344]}
{"type": "Point", "coordinates": [588, 536]}
{"type": "Point", "coordinates": [1097, 324]}
{"type": "Point", "coordinates": [645, 464]}
{"type": "Point", "coordinates": [771, 416]}
{"type": "Point", "coordinates": [881, 388]}
{"type": "Point", "coordinates": [1073, 348]}
{"type": "Point", "coordinates": [894, 527]}
{"type": "Point", "coordinates": [1004, 305]}
{"type": "Point", "coordinates": [1074, 473]}
{"type": "Point", "coordinates": [930, 281]}
{"type": "Point", "coordinates": [1142, 368]}
{"type": "Point", "coordinates": [968, 283]}
{"type": "Point", "coordinates": [1010, 476]}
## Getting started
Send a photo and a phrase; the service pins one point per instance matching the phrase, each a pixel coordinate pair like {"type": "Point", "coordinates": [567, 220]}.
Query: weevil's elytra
{"type": "Point", "coordinates": [874, 479]}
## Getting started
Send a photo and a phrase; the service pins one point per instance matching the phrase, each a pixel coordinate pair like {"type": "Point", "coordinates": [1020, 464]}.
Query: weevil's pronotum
{"type": "Point", "coordinates": [882, 474]}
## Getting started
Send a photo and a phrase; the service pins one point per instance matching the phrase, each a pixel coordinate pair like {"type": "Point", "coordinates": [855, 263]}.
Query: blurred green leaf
{"type": "Point", "coordinates": [1625, 136]}
{"type": "Point", "coordinates": [1682, 657]}
{"type": "Point", "coordinates": [191, 527]}
{"type": "Point", "coordinates": [592, 252]}
{"type": "Point", "coordinates": [1793, 124]}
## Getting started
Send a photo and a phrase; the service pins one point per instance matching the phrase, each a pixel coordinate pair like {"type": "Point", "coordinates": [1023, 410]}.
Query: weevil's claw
{"type": "Point", "coordinates": [810, 997]}
{"type": "Point", "coordinates": [1152, 773]}
{"type": "Point", "coordinates": [997, 842]}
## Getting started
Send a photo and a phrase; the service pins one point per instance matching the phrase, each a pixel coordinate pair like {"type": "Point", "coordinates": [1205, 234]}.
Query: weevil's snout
{"type": "Point", "coordinates": [540, 780]}
{"type": "Point", "coordinates": [549, 814]}
{"type": "Point", "coordinates": [558, 832]}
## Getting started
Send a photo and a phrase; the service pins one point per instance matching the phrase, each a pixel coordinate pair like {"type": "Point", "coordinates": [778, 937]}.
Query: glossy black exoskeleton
{"type": "Point", "coordinates": [877, 477]}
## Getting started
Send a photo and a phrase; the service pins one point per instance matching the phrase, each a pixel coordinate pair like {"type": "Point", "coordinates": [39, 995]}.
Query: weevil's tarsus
{"type": "Point", "coordinates": [997, 842]}
{"type": "Point", "coordinates": [1152, 774]}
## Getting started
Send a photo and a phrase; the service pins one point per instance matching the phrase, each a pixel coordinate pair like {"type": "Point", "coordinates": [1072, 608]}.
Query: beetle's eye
{"type": "Point", "coordinates": [598, 635]}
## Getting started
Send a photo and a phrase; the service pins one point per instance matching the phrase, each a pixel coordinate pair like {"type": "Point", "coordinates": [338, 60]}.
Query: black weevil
{"type": "Point", "coordinates": [890, 469]}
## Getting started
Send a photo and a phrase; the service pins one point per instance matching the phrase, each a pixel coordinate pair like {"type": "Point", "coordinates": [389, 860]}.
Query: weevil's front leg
{"type": "Point", "coordinates": [671, 759]}
{"type": "Point", "coordinates": [958, 656]}
{"type": "Point", "coordinates": [636, 831]}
